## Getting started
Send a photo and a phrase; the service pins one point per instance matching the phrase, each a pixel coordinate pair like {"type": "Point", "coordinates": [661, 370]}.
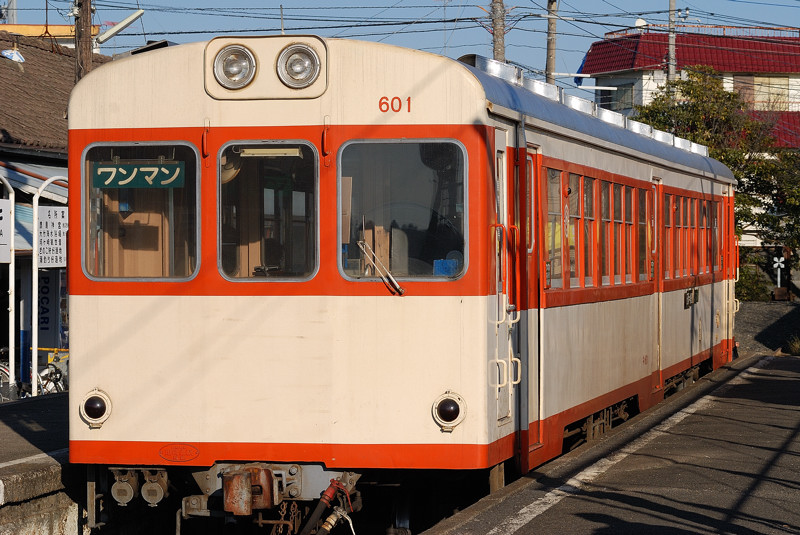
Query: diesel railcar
{"type": "Point", "coordinates": [300, 262]}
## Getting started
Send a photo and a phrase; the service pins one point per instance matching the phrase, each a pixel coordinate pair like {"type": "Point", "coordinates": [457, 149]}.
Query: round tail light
{"type": "Point", "coordinates": [449, 410]}
{"type": "Point", "coordinates": [95, 408]}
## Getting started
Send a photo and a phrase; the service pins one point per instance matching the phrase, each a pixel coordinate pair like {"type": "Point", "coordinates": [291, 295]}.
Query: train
{"type": "Point", "coordinates": [303, 266]}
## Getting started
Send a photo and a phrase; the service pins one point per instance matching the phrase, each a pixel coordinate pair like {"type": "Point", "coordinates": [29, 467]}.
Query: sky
{"type": "Point", "coordinates": [448, 27]}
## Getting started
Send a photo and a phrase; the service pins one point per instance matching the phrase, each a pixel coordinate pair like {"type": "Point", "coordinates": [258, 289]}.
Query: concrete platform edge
{"type": "Point", "coordinates": [564, 467]}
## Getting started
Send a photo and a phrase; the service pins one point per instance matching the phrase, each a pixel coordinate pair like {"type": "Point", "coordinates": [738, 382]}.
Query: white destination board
{"type": "Point", "coordinates": [6, 231]}
{"type": "Point", "coordinates": [53, 236]}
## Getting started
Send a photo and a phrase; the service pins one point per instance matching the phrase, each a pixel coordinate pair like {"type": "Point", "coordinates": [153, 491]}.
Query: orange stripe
{"type": "Point", "coordinates": [361, 456]}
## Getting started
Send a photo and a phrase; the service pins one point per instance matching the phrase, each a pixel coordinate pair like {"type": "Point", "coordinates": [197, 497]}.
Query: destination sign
{"type": "Point", "coordinates": [139, 175]}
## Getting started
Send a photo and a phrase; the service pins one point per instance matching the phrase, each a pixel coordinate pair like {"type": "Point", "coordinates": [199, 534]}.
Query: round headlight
{"type": "Point", "coordinates": [95, 408]}
{"type": "Point", "coordinates": [449, 410]}
{"type": "Point", "coordinates": [234, 67]}
{"type": "Point", "coordinates": [298, 66]}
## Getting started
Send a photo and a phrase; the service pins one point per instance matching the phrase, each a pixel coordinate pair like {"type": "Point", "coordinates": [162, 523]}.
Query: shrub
{"type": "Point", "coordinates": [752, 284]}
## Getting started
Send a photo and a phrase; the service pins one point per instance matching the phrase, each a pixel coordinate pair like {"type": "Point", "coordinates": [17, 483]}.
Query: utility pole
{"type": "Point", "coordinates": [499, 30]}
{"type": "Point", "coordinates": [550, 65]}
{"type": "Point", "coordinates": [83, 38]}
{"type": "Point", "coordinates": [11, 12]}
{"type": "Point", "coordinates": [671, 43]}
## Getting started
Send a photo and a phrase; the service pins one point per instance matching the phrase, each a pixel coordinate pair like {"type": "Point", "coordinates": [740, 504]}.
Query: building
{"type": "Point", "coordinates": [36, 77]}
{"type": "Point", "coordinates": [763, 64]}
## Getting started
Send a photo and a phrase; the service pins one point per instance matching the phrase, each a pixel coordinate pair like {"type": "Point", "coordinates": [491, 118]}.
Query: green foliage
{"type": "Point", "coordinates": [752, 284]}
{"type": "Point", "coordinates": [698, 108]}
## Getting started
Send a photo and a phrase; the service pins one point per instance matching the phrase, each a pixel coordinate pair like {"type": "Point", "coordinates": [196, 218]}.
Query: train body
{"type": "Point", "coordinates": [297, 260]}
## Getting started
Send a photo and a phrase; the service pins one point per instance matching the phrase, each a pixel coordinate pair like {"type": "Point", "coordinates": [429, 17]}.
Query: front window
{"type": "Point", "coordinates": [268, 211]}
{"type": "Point", "coordinates": [402, 209]}
{"type": "Point", "coordinates": [141, 211]}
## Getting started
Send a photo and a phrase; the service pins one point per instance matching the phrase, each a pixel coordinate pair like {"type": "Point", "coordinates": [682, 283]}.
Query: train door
{"type": "Point", "coordinates": [531, 388]}
{"type": "Point", "coordinates": [655, 269]}
{"type": "Point", "coordinates": [506, 234]}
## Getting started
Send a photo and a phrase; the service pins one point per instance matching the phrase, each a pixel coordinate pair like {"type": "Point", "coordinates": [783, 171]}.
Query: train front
{"type": "Point", "coordinates": [278, 275]}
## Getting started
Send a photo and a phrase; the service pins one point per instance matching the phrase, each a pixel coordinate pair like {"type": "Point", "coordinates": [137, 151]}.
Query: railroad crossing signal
{"type": "Point", "coordinates": [778, 263]}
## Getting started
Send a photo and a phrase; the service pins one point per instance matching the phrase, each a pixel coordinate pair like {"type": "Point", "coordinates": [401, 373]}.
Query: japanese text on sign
{"type": "Point", "coordinates": [53, 226]}
{"type": "Point", "coordinates": [144, 175]}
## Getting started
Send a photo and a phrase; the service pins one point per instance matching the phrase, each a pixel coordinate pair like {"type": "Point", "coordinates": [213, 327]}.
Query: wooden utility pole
{"type": "Point", "coordinates": [671, 43]}
{"type": "Point", "coordinates": [83, 38]}
{"type": "Point", "coordinates": [499, 30]}
{"type": "Point", "coordinates": [550, 64]}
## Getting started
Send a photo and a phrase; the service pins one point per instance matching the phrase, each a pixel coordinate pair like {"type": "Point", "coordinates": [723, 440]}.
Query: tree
{"type": "Point", "coordinates": [698, 108]}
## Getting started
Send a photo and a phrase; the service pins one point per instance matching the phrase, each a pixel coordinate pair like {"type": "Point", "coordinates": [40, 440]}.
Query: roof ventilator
{"type": "Point", "coordinates": [515, 75]}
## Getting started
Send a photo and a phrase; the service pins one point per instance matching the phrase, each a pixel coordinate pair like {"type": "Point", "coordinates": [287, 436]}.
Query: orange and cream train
{"type": "Point", "coordinates": [299, 260]}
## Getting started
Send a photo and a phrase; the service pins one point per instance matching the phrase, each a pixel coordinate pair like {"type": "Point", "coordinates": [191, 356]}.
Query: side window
{"type": "Point", "coordinates": [141, 211]}
{"type": "Point", "coordinates": [402, 209]}
{"type": "Point", "coordinates": [668, 237]}
{"type": "Point", "coordinates": [589, 235]}
{"type": "Point", "coordinates": [642, 235]}
{"type": "Point", "coordinates": [619, 236]}
{"type": "Point", "coordinates": [606, 243]}
{"type": "Point", "coordinates": [268, 211]}
{"type": "Point", "coordinates": [629, 250]}
{"type": "Point", "coordinates": [553, 238]}
{"type": "Point", "coordinates": [574, 251]}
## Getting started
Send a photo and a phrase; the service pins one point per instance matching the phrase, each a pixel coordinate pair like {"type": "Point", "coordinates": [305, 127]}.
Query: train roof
{"type": "Point", "coordinates": [505, 86]}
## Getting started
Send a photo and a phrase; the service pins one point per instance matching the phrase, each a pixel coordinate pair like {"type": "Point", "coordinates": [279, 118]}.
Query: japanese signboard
{"type": "Point", "coordinates": [138, 175]}
{"type": "Point", "coordinates": [53, 236]}
{"type": "Point", "coordinates": [6, 231]}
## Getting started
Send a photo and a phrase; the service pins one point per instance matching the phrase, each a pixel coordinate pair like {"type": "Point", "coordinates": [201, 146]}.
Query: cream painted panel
{"type": "Point", "coordinates": [165, 88]}
{"type": "Point", "coordinates": [592, 349]}
{"type": "Point", "coordinates": [689, 331]}
{"type": "Point", "coordinates": [279, 369]}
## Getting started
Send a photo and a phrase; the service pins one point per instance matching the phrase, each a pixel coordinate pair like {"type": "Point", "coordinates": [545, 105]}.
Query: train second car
{"type": "Point", "coordinates": [301, 265]}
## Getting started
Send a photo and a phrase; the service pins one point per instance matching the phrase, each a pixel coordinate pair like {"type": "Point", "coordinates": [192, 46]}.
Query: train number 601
{"type": "Point", "coordinates": [395, 104]}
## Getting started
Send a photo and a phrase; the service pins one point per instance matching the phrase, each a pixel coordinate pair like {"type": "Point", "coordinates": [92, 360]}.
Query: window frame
{"type": "Point", "coordinates": [317, 208]}
{"type": "Point", "coordinates": [84, 194]}
{"type": "Point", "coordinates": [465, 204]}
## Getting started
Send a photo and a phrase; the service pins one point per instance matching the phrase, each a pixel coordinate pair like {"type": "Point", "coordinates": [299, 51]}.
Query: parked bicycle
{"type": "Point", "coordinates": [50, 379]}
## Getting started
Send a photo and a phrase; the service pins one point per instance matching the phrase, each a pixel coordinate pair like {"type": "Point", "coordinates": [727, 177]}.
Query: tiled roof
{"type": "Point", "coordinates": [35, 93]}
{"type": "Point", "coordinates": [733, 54]}
{"type": "Point", "coordinates": [787, 128]}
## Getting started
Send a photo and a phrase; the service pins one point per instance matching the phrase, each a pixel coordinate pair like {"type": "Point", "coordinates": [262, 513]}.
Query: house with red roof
{"type": "Point", "coordinates": [763, 64]}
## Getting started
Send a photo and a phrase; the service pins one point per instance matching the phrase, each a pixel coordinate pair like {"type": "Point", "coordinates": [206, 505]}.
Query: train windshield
{"type": "Point", "coordinates": [402, 209]}
{"type": "Point", "coordinates": [141, 211]}
{"type": "Point", "coordinates": [268, 211]}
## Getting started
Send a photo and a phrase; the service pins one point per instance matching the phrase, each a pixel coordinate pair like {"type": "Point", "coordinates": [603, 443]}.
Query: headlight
{"type": "Point", "coordinates": [449, 410]}
{"type": "Point", "coordinates": [234, 67]}
{"type": "Point", "coordinates": [298, 66]}
{"type": "Point", "coordinates": [95, 408]}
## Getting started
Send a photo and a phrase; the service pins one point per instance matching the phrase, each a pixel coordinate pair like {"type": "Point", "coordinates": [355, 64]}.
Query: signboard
{"type": "Point", "coordinates": [53, 228]}
{"type": "Point", "coordinates": [138, 175]}
{"type": "Point", "coordinates": [6, 231]}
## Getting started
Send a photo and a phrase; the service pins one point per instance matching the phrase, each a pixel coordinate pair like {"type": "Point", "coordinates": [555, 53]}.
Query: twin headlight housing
{"type": "Point", "coordinates": [298, 66]}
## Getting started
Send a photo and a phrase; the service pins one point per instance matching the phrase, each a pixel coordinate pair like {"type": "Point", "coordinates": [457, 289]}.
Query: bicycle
{"type": "Point", "coordinates": [51, 379]}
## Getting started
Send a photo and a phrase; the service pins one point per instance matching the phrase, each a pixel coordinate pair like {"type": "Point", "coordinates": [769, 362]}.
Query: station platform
{"type": "Point", "coordinates": [720, 457]}
{"type": "Point", "coordinates": [34, 440]}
